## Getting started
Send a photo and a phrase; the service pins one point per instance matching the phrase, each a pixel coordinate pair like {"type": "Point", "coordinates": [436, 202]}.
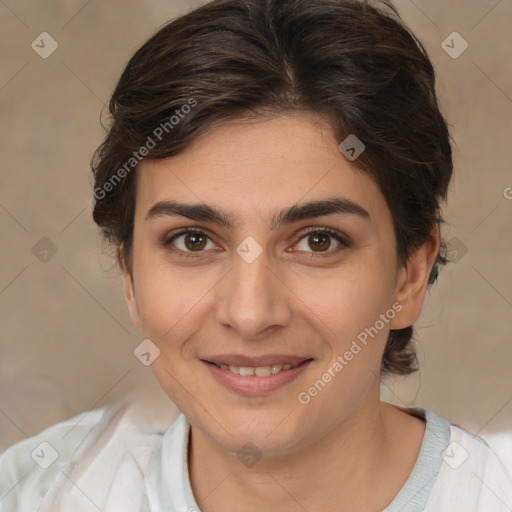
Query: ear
{"type": "Point", "coordinates": [128, 289]}
{"type": "Point", "coordinates": [412, 281]}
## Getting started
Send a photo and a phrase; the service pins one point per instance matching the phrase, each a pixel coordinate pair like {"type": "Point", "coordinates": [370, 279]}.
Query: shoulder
{"type": "Point", "coordinates": [474, 452]}
{"type": "Point", "coordinates": [473, 475]}
{"type": "Point", "coordinates": [28, 467]}
{"type": "Point", "coordinates": [98, 455]}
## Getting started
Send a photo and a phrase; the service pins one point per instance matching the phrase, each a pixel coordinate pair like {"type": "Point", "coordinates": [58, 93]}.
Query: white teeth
{"type": "Point", "coordinates": [260, 371]}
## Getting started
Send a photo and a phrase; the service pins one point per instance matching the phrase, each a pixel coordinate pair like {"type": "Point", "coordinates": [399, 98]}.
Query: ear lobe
{"type": "Point", "coordinates": [412, 282]}
{"type": "Point", "coordinates": [129, 291]}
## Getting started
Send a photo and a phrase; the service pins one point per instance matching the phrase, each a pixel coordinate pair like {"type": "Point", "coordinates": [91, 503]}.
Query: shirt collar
{"type": "Point", "coordinates": [168, 486]}
{"type": "Point", "coordinates": [167, 482]}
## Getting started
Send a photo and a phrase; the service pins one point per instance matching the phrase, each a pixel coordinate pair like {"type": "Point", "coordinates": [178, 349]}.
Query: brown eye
{"type": "Point", "coordinates": [319, 242]}
{"type": "Point", "coordinates": [195, 242]}
{"type": "Point", "coordinates": [191, 241]}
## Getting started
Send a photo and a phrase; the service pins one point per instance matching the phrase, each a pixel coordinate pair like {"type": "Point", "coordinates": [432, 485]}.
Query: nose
{"type": "Point", "coordinates": [253, 299]}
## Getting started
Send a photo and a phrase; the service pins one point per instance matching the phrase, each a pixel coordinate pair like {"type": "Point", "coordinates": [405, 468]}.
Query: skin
{"type": "Point", "coordinates": [344, 450]}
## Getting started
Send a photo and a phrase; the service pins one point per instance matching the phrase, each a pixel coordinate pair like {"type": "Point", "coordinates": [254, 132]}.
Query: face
{"type": "Point", "coordinates": [261, 247]}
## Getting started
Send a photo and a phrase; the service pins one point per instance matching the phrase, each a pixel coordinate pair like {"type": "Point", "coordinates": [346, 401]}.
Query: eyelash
{"type": "Point", "coordinates": [344, 243]}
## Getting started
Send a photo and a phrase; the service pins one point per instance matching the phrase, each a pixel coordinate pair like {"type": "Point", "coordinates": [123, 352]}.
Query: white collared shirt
{"type": "Point", "coordinates": [119, 458]}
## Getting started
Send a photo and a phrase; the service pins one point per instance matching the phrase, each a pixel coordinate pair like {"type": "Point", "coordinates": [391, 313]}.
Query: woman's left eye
{"type": "Point", "coordinates": [320, 240]}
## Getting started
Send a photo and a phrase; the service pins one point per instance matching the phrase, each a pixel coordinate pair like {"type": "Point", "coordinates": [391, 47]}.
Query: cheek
{"type": "Point", "coordinates": [345, 308]}
{"type": "Point", "coordinates": [172, 303]}
{"type": "Point", "coordinates": [347, 299]}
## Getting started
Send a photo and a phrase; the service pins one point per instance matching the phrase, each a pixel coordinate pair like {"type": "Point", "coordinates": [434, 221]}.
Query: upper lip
{"type": "Point", "coordinates": [264, 360]}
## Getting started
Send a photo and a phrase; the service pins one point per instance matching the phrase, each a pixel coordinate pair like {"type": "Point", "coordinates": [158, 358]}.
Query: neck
{"type": "Point", "coordinates": [358, 466]}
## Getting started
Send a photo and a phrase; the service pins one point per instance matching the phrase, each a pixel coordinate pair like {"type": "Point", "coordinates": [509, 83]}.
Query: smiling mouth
{"type": "Point", "coordinates": [259, 371]}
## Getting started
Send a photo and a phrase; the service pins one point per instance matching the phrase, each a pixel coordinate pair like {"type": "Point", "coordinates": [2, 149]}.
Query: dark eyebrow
{"type": "Point", "coordinates": [318, 209]}
{"type": "Point", "coordinates": [191, 211]}
{"type": "Point", "coordinates": [204, 212]}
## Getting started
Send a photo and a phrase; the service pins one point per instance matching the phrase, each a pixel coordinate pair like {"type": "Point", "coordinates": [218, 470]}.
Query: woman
{"type": "Point", "coordinates": [272, 182]}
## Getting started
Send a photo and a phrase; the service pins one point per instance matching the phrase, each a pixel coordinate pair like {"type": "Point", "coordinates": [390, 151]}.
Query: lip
{"type": "Point", "coordinates": [254, 385]}
{"type": "Point", "coordinates": [264, 360]}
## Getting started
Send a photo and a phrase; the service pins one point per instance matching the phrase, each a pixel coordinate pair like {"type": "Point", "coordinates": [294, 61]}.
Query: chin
{"type": "Point", "coordinates": [264, 432]}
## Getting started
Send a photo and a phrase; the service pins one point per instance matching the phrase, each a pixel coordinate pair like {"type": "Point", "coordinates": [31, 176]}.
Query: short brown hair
{"type": "Point", "coordinates": [354, 61]}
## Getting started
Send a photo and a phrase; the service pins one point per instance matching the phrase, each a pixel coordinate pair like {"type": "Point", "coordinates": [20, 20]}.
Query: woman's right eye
{"type": "Point", "coordinates": [190, 241]}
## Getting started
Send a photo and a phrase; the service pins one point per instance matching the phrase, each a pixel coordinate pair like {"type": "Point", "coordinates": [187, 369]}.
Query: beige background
{"type": "Point", "coordinates": [66, 338]}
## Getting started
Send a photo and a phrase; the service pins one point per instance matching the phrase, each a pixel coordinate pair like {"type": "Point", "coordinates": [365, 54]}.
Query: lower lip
{"type": "Point", "coordinates": [254, 385]}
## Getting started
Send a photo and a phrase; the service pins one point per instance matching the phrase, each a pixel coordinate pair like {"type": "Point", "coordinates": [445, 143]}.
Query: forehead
{"type": "Point", "coordinates": [258, 166]}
